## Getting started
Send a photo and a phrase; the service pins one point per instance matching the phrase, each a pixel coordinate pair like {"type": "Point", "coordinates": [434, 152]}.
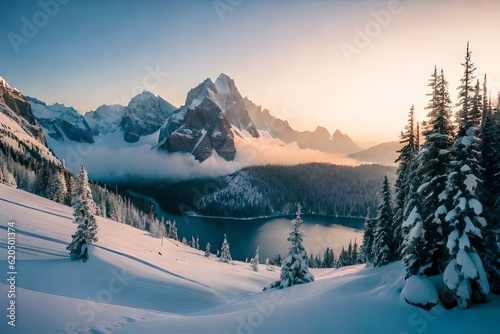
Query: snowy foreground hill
{"type": "Point", "coordinates": [132, 284]}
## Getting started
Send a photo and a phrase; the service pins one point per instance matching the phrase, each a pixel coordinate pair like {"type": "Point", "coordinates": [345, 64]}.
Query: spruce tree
{"type": "Point", "coordinates": [490, 197]}
{"type": "Point", "coordinates": [84, 210]}
{"type": "Point", "coordinates": [225, 255]}
{"type": "Point", "coordinates": [342, 259]}
{"type": "Point", "coordinates": [416, 253]}
{"type": "Point", "coordinates": [476, 114]}
{"type": "Point", "coordinates": [463, 275]}
{"type": "Point", "coordinates": [207, 250]}
{"type": "Point", "coordinates": [466, 93]}
{"type": "Point", "coordinates": [295, 268]}
{"type": "Point", "coordinates": [384, 251]}
{"type": "Point", "coordinates": [254, 263]}
{"type": "Point", "coordinates": [355, 253]}
{"type": "Point", "coordinates": [367, 244]}
{"type": "Point", "coordinates": [432, 173]}
{"type": "Point", "coordinates": [406, 156]}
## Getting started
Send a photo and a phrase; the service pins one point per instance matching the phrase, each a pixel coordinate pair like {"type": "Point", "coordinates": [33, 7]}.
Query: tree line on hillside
{"type": "Point", "coordinates": [445, 219]}
{"type": "Point", "coordinates": [322, 189]}
{"type": "Point", "coordinates": [24, 167]}
{"type": "Point", "coordinates": [273, 190]}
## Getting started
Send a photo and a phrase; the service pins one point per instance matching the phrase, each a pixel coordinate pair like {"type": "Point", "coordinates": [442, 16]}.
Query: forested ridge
{"type": "Point", "coordinates": [269, 190]}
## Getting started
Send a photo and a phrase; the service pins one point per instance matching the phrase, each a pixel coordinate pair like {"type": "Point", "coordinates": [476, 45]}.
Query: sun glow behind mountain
{"type": "Point", "coordinates": [289, 56]}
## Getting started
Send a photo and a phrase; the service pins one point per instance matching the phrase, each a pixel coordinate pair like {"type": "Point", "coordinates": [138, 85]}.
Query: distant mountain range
{"type": "Point", "coordinates": [382, 154]}
{"type": "Point", "coordinates": [214, 117]}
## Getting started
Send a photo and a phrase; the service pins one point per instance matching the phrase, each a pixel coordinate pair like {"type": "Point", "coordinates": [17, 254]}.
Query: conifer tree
{"type": "Point", "coordinates": [295, 268]}
{"type": "Point", "coordinates": [476, 114]}
{"type": "Point", "coordinates": [254, 263]}
{"type": "Point", "coordinates": [355, 253]}
{"type": "Point", "coordinates": [367, 244]}
{"type": "Point", "coordinates": [342, 259]}
{"type": "Point", "coordinates": [84, 210]}
{"type": "Point", "coordinates": [466, 93]}
{"type": "Point", "coordinates": [433, 165]}
{"type": "Point", "coordinates": [490, 197]}
{"type": "Point", "coordinates": [406, 156]}
{"type": "Point", "coordinates": [207, 250]}
{"type": "Point", "coordinates": [384, 251]}
{"type": "Point", "coordinates": [464, 274]}
{"type": "Point", "coordinates": [225, 255]}
{"type": "Point", "coordinates": [416, 253]}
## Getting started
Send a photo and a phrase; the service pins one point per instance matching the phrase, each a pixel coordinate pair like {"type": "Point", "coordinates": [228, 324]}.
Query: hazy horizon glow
{"type": "Point", "coordinates": [283, 55]}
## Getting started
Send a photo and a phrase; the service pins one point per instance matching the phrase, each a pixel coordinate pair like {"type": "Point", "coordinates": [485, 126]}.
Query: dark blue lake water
{"type": "Point", "coordinates": [269, 234]}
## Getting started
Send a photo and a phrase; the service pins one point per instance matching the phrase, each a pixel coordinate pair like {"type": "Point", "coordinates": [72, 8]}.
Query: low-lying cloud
{"type": "Point", "coordinates": [141, 161]}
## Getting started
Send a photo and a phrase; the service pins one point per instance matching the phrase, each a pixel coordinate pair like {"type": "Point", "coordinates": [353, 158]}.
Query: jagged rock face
{"type": "Point", "coordinates": [144, 115]}
{"type": "Point", "coordinates": [203, 124]}
{"type": "Point", "coordinates": [199, 131]}
{"type": "Point", "coordinates": [19, 109]}
{"type": "Point", "coordinates": [60, 121]}
{"type": "Point", "coordinates": [233, 105]}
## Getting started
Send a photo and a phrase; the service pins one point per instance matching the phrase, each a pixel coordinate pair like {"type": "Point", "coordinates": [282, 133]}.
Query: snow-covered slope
{"type": "Point", "coordinates": [132, 284]}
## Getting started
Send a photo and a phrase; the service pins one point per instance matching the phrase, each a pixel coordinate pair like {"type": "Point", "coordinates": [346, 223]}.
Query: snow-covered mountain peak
{"type": "Point", "coordinates": [225, 85]}
{"type": "Point", "coordinates": [60, 122]}
{"type": "Point", "coordinates": [196, 95]}
{"type": "Point", "coordinates": [105, 119]}
{"type": "Point", "coordinates": [144, 115]}
{"type": "Point", "coordinates": [3, 82]}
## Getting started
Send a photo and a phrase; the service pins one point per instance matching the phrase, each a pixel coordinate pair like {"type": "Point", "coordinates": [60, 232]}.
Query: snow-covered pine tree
{"type": "Point", "coordinates": [295, 269]}
{"type": "Point", "coordinates": [476, 115]}
{"type": "Point", "coordinates": [84, 210]}
{"type": "Point", "coordinates": [225, 255]}
{"type": "Point", "coordinates": [433, 167]}
{"type": "Point", "coordinates": [490, 197]}
{"type": "Point", "coordinates": [311, 262]}
{"type": "Point", "coordinates": [464, 274]}
{"type": "Point", "coordinates": [466, 93]}
{"type": "Point", "coordinates": [207, 250]}
{"type": "Point", "coordinates": [384, 250]}
{"type": "Point", "coordinates": [349, 253]}
{"type": "Point", "coordinates": [254, 263]}
{"type": "Point", "coordinates": [406, 156]}
{"type": "Point", "coordinates": [415, 252]}
{"type": "Point", "coordinates": [355, 253]}
{"type": "Point", "coordinates": [328, 258]}
{"type": "Point", "coordinates": [342, 259]}
{"type": "Point", "coordinates": [367, 244]}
